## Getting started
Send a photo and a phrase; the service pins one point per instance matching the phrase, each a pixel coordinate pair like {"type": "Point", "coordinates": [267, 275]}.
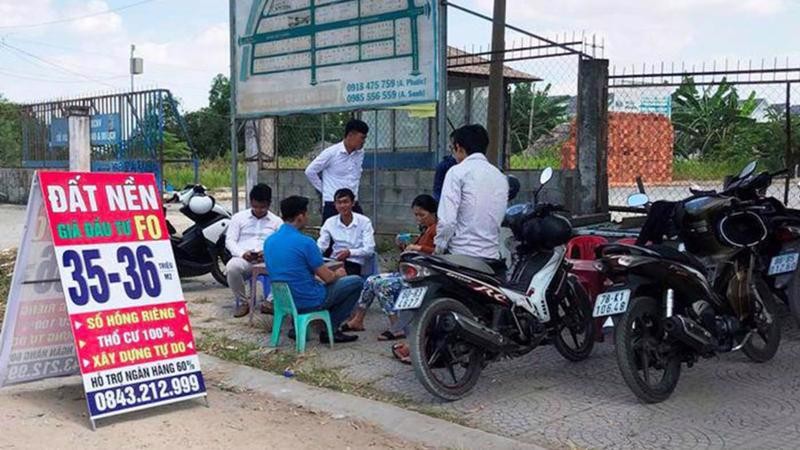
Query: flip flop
{"type": "Point", "coordinates": [405, 359]}
{"type": "Point", "coordinates": [389, 336]}
{"type": "Point", "coordinates": [346, 327]}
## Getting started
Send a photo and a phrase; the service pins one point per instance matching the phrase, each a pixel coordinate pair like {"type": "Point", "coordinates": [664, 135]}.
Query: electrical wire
{"type": "Point", "coordinates": [58, 66]}
{"type": "Point", "coordinates": [72, 19]}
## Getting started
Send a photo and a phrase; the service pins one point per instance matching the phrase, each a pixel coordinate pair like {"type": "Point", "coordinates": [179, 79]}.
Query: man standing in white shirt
{"type": "Point", "coordinates": [245, 238]}
{"type": "Point", "coordinates": [474, 198]}
{"type": "Point", "coordinates": [339, 167]}
{"type": "Point", "coordinates": [351, 234]}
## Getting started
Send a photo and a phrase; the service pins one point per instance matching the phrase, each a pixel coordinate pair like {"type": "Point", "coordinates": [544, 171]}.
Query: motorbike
{"type": "Point", "coordinates": [671, 307]}
{"type": "Point", "coordinates": [780, 251]}
{"type": "Point", "coordinates": [200, 249]}
{"type": "Point", "coordinates": [468, 312]}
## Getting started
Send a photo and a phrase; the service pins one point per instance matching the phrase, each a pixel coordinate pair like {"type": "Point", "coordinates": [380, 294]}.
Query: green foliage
{"type": "Point", "coordinates": [706, 170]}
{"type": "Point", "coordinates": [548, 112]}
{"type": "Point", "coordinates": [10, 134]}
{"type": "Point", "coordinates": [214, 173]}
{"type": "Point", "coordinates": [209, 127]}
{"type": "Point", "coordinates": [709, 123]}
{"type": "Point", "coordinates": [549, 157]}
{"type": "Point", "coordinates": [175, 148]}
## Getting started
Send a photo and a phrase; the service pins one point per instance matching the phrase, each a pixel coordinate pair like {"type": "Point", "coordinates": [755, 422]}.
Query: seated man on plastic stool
{"type": "Point", "coordinates": [293, 258]}
{"type": "Point", "coordinates": [245, 238]}
{"type": "Point", "coordinates": [350, 233]}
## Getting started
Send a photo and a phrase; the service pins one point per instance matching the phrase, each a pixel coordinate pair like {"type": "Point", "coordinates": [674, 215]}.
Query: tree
{"type": "Point", "coordinates": [707, 123]}
{"type": "Point", "coordinates": [209, 127]}
{"type": "Point", "coordinates": [534, 114]}
{"type": "Point", "coordinates": [10, 134]}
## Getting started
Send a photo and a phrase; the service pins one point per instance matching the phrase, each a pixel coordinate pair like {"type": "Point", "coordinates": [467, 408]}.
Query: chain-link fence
{"type": "Point", "coordinates": [675, 128]}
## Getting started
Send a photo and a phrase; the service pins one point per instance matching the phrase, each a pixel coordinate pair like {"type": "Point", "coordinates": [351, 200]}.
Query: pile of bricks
{"type": "Point", "coordinates": [638, 144]}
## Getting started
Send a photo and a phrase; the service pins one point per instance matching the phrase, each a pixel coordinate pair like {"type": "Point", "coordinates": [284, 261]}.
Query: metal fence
{"type": "Point", "coordinates": [128, 132]}
{"type": "Point", "coordinates": [676, 127]}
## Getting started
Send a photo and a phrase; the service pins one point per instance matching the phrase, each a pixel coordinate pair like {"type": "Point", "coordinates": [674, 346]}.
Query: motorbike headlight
{"type": "Point", "coordinates": [413, 272]}
{"type": "Point", "coordinates": [625, 261]}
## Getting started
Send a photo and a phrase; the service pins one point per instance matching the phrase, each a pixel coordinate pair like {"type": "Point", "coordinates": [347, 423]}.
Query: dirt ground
{"type": "Point", "coordinates": [52, 414]}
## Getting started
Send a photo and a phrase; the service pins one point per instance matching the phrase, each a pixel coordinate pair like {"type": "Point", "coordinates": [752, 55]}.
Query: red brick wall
{"type": "Point", "coordinates": [638, 144]}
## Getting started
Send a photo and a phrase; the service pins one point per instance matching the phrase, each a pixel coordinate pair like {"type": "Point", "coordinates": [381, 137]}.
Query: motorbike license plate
{"type": "Point", "coordinates": [610, 303]}
{"type": "Point", "coordinates": [410, 298]}
{"type": "Point", "coordinates": [783, 263]}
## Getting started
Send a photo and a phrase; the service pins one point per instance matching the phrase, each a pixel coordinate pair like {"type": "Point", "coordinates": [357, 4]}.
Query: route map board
{"type": "Point", "coordinates": [305, 56]}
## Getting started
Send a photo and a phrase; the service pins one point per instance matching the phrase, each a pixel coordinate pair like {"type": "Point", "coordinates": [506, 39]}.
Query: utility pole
{"type": "Point", "coordinates": [495, 119]}
{"type": "Point", "coordinates": [137, 65]}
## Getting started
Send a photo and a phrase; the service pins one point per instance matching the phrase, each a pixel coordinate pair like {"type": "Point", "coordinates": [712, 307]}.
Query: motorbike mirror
{"type": "Point", "coordinates": [636, 200]}
{"type": "Point", "coordinates": [748, 169]}
{"type": "Point", "coordinates": [546, 175]}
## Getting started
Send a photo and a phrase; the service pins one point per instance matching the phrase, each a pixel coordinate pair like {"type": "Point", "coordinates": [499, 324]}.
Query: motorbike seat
{"type": "Point", "coordinates": [492, 267]}
{"type": "Point", "coordinates": [673, 254]}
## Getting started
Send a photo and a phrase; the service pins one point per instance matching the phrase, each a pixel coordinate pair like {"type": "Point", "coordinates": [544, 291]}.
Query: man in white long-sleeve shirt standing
{"type": "Point", "coordinates": [245, 238]}
{"type": "Point", "coordinates": [474, 198]}
{"type": "Point", "coordinates": [339, 167]}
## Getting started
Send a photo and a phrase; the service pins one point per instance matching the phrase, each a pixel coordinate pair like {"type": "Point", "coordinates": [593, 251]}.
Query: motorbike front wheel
{"type": "Point", "coordinates": [219, 265]}
{"type": "Point", "coordinates": [648, 367]}
{"type": "Point", "coordinates": [575, 331]}
{"type": "Point", "coordinates": [447, 366]}
{"type": "Point", "coordinates": [763, 343]}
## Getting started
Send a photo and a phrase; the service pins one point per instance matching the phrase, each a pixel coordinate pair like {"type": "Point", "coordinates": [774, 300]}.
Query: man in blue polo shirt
{"type": "Point", "coordinates": [293, 258]}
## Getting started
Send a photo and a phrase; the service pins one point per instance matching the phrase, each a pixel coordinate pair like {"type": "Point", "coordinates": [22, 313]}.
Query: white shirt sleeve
{"type": "Point", "coordinates": [316, 167]}
{"type": "Point", "coordinates": [367, 241]}
{"type": "Point", "coordinates": [324, 239]}
{"type": "Point", "coordinates": [448, 211]}
{"type": "Point", "coordinates": [232, 236]}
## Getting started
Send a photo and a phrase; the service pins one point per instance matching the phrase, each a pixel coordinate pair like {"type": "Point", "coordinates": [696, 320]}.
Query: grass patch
{"type": "Point", "coordinates": [549, 157]}
{"type": "Point", "coordinates": [216, 173]}
{"type": "Point", "coordinates": [307, 371]}
{"type": "Point", "coordinates": [702, 170]}
{"type": "Point", "coordinates": [7, 259]}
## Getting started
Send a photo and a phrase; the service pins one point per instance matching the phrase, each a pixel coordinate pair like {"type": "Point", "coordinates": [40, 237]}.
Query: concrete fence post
{"type": "Point", "coordinates": [80, 147]}
{"type": "Point", "coordinates": [592, 138]}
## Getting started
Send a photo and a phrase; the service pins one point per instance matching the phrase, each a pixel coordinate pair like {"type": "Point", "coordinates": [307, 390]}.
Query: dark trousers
{"type": "Point", "coordinates": [341, 299]}
{"type": "Point", "coordinates": [329, 210]}
{"type": "Point", "coordinates": [352, 268]}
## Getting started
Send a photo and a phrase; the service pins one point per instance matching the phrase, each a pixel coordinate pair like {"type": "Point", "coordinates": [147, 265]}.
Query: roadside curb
{"type": "Point", "coordinates": [408, 425]}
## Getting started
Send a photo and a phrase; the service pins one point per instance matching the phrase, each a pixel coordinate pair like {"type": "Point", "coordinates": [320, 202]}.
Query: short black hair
{"type": "Point", "coordinates": [293, 206]}
{"type": "Point", "coordinates": [426, 202]}
{"type": "Point", "coordinates": [344, 192]}
{"type": "Point", "coordinates": [473, 138]}
{"type": "Point", "coordinates": [356, 125]}
{"type": "Point", "coordinates": [261, 193]}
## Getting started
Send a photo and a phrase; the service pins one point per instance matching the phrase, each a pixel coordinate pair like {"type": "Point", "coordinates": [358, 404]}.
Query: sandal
{"type": "Point", "coordinates": [405, 359]}
{"type": "Point", "coordinates": [346, 327]}
{"type": "Point", "coordinates": [389, 336]}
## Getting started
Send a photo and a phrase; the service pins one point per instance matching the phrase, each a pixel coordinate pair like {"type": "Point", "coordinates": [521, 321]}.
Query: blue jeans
{"type": "Point", "coordinates": [341, 299]}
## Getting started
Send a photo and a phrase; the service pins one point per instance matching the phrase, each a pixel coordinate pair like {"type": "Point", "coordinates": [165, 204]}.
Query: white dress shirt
{"type": "Point", "coordinates": [358, 237]}
{"type": "Point", "coordinates": [338, 168]}
{"type": "Point", "coordinates": [471, 209]}
{"type": "Point", "coordinates": [246, 232]}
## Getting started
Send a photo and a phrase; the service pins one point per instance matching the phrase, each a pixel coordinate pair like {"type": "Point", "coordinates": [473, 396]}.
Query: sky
{"type": "Point", "coordinates": [45, 54]}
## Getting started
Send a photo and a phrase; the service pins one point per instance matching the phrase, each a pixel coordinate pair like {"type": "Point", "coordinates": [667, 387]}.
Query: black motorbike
{"type": "Point", "coordinates": [468, 311]}
{"type": "Point", "coordinates": [671, 307]}
{"type": "Point", "coordinates": [200, 249]}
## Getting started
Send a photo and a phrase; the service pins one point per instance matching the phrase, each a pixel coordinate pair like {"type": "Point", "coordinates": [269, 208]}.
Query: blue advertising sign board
{"type": "Point", "coordinates": [105, 129]}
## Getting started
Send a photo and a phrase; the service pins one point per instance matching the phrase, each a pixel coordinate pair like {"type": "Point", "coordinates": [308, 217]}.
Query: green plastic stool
{"type": "Point", "coordinates": [283, 303]}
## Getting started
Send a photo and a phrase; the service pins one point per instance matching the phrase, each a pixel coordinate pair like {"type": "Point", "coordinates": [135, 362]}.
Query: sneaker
{"type": "Point", "coordinates": [266, 308]}
{"type": "Point", "coordinates": [242, 310]}
{"type": "Point", "coordinates": [338, 337]}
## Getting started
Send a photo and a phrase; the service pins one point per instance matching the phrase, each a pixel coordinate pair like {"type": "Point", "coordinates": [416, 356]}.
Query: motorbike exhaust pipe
{"type": "Point", "coordinates": [689, 332]}
{"type": "Point", "coordinates": [476, 333]}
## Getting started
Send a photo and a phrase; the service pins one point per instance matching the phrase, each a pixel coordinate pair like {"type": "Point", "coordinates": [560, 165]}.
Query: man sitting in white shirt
{"type": "Point", "coordinates": [245, 238]}
{"type": "Point", "coordinates": [474, 198]}
{"type": "Point", "coordinates": [340, 167]}
{"type": "Point", "coordinates": [351, 234]}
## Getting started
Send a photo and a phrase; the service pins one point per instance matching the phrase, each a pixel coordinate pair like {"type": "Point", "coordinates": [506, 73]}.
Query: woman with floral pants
{"type": "Point", "coordinates": [387, 286]}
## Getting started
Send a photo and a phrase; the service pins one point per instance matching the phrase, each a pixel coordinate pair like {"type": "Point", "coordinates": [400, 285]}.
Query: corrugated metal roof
{"type": "Point", "coordinates": [470, 65]}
